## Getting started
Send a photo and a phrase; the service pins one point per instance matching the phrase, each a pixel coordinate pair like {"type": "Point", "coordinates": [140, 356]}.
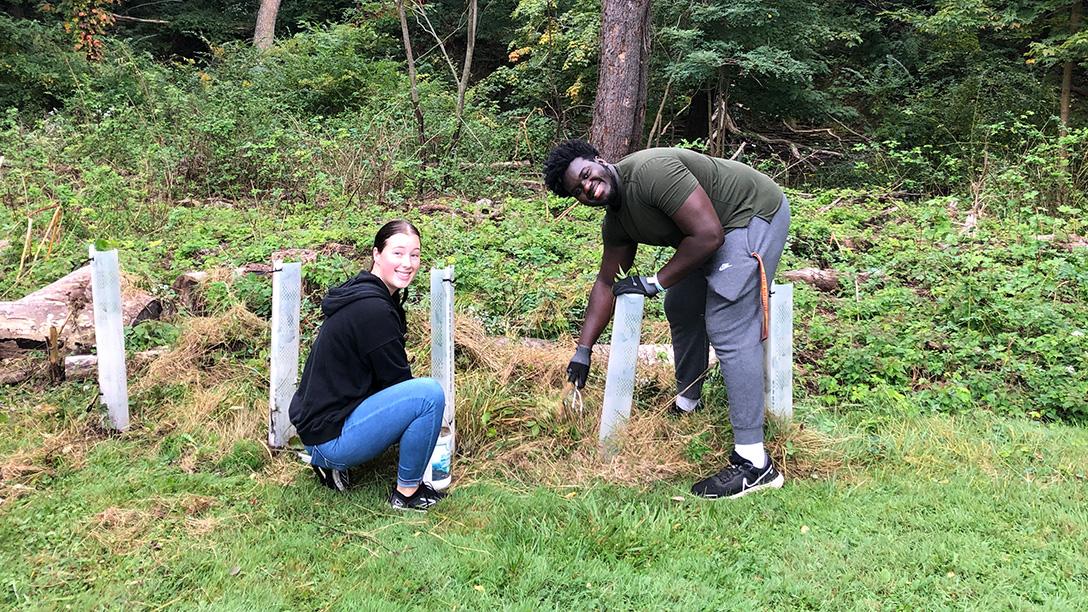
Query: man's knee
{"type": "Point", "coordinates": [745, 350]}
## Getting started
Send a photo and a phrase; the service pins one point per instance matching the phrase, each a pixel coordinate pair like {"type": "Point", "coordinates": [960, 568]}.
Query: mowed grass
{"type": "Point", "coordinates": [901, 494]}
{"type": "Point", "coordinates": [935, 512]}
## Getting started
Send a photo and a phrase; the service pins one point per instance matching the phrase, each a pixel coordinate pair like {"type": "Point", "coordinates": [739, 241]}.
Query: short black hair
{"type": "Point", "coordinates": [561, 157]}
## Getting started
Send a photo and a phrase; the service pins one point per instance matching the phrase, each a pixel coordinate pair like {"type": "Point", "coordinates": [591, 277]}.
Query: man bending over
{"type": "Point", "coordinates": [728, 224]}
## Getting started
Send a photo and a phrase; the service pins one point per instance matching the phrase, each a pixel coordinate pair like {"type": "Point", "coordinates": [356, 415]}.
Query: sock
{"type": "Point", "coordinates": [686, 403]}
{"type": "Point", "coordinates": [753, 453]}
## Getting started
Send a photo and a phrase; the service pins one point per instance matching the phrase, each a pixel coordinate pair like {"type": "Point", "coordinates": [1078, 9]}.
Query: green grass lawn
{"type": "Point", "coordinates": [928, 467]}
{"type": "Point", "coordinates": [934, 512]}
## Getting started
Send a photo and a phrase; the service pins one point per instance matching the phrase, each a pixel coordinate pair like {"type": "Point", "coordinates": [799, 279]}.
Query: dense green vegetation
{"type": "Point", "coordinates": [938, 451]}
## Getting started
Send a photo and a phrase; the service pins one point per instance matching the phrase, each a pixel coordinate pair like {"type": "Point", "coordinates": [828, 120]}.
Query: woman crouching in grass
{"type": "Point", "coordinates": [357, 396]}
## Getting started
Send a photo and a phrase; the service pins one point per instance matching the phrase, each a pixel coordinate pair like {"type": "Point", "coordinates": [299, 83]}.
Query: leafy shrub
{"type": "Point", "coordinates": [255, 292]}
{"type": "Point", "coordinates": [38, 68]}
{"type": "Point", "coordinates": [943, 321]}
{"type": "Point", "coordinates": [150, 334]}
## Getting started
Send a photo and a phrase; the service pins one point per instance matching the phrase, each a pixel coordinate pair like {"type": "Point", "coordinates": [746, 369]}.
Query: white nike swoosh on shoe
{"type": "Point", "coordinates": [750, 488]}
{"type": "Point", "coordinates": [747, 485]}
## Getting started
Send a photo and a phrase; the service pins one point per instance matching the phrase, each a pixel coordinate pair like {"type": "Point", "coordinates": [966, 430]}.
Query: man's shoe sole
{"type": "Point", "coordinates": [774, 484]}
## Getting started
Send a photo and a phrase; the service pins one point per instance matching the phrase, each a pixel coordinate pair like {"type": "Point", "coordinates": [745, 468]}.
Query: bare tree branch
{"type": "Point", "coordinates": [137, 19]}
{"type": "Point", "coordinates": [412, 74]}
{"type": "Point", "coordinates": [418, 11]}
{"type": "Point", "coordinates": [462, 85]}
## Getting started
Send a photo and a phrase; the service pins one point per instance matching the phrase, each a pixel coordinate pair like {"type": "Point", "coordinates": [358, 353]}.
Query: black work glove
{"type": "Point", "coordinates": [578, 368]}
{"type": "Point", "coordinates": [640, 285]}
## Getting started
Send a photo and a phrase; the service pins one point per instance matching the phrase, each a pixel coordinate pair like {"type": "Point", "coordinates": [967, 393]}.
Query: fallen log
{"type": "Point", "coordinates": [483, 215]}
{"type": "Point", "coordinates": [188, 289]}
{"type": "Point", "coordinates": [66, 305]}
{"type": "Point", "coordinates": [77, 367]}
{"type": "Point", "coordinates": [1071, 242]}
{"type": "Point", "coordinates": [824, 280]}
{"type": "Point", "coordinates": [648, 354]}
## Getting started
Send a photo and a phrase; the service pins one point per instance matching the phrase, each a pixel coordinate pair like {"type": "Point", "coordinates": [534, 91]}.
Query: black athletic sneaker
{"type": "Point", "coordinates": [420, 501]}
{"type": "Point", "coordinates": [336, 480]}
{"type": "Point", "coordinates": [739, 479]}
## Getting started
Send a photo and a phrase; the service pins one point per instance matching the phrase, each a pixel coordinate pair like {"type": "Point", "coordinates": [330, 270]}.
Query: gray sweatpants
{"type": "Point", "coordinates": [719, 305]}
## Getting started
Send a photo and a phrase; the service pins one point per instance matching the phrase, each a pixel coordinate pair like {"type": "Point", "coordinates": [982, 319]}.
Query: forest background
{"type": "Point", "coordinates": [937, 157]}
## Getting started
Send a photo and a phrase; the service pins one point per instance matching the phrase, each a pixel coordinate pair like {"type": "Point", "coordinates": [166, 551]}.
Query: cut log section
{"type": "Point", "coordinates": [824, 280]}
{"type": "Point", "coordinates": [77, 367]}
{"type": "Point", "coordinates": [188, 289]}
{"type": "Point", "coordinates": [66, 305]}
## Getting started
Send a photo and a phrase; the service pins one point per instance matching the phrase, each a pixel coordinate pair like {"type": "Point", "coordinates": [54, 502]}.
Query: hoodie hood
{"type": "Point", "coordinates": [364, 285]}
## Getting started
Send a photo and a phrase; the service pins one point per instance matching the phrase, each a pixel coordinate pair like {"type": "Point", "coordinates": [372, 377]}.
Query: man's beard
{"type": "Point", "coordinates": [613, 201]}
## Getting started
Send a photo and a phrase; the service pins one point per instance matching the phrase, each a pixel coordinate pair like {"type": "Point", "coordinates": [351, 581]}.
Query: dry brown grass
{"type": "Point", "coordinates": [54, 443]}
{"type": "Point", "coordinates": [124, 529]}
{"type": "Point", "coordinates": [201, 355]}
{"type": "Point", "coordinates": [510, 360]}
{"type": "Point", "coordinates": [519, 385]}
{"type": "Point", "coordinates": [121, 530]}
{"type": "Point", "coordinates": [512, 421]}
{"type": "Point", "coordinates": [224, 395]}
{"type": "Point", "coordinates": [801, 452]}
{"type": "Point", "coordinates": [226, 410]}
{"type": "Point", "coordinates": [282, 469]}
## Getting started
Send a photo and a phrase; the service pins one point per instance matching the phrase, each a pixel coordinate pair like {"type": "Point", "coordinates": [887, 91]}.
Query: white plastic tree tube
{"type": "Point", "coordinates": [437, 473]}
{"type": "Point", "coordinates": [442, 334]}
{"type": "Point", "coordinates": [283, 370]}
{"type": "Point", "coordinates": [619, 387]}
{"type": "Point", "coordinates": [109, 337]}
{"type": "Point", "coordinates": [778, 353]}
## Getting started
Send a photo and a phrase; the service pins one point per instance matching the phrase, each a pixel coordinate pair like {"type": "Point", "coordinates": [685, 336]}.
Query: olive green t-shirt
{"type": "Point", "coordinates": [656, 182]}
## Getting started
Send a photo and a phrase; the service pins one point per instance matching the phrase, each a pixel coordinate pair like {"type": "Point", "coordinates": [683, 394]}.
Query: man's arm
{"type": "Point", "coordinates": [599, 310]}
{"type": "Point", "coordinates": [703, 235]}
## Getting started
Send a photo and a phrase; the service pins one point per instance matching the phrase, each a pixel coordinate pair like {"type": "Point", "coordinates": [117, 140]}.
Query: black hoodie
{"type": "Point", "coordinates": [359, 351]}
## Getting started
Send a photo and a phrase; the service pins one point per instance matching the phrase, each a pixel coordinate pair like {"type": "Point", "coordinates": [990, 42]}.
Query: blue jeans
{"type": "Point", "coordinates": [409, 412]}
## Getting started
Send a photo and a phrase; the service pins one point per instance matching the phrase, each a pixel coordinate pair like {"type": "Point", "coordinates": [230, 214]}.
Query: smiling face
{"type": "Point", "coordinates": [590, 181]}
{"type": "Point", "coordinates": [397, 263]}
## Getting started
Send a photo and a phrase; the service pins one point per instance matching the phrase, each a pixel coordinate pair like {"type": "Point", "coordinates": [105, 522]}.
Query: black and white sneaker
{"type": "Point", "coordinates": [739, 479]}
{"type": "Point", "coordinates": [336, 480]}
{"type": "Point", "coordinates": [420, 501]}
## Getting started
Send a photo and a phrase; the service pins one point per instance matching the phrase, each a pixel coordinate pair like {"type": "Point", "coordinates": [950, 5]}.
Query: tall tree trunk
{"type": "Point", "coordinates": [462, 85]}
{"type": "Point", "coordinates": [265, 30]}
{"type": "Point", "coordinates": [697, 124]}
{"type": "Point", "coordinates": [412, 77]}
{"type": "Point", "coordinates": [619, 111]}
{"type": "Point", "coordinates": [1067, 72]}
{"type": "Point", "coordinates": [722, 127]}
